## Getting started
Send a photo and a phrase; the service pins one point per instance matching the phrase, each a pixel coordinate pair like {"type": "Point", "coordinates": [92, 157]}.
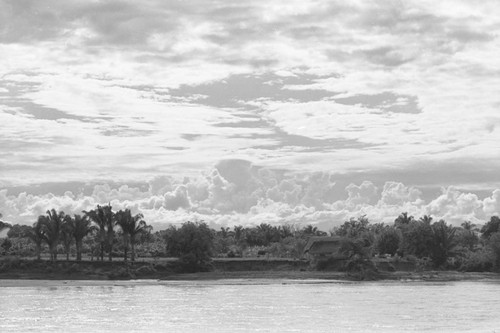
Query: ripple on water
{"type": "Point", "coordinates": [256, 305]}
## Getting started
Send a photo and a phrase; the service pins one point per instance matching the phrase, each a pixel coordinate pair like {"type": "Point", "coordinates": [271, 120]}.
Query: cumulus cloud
{"type": "Point", "coordinates": [177, 199]}
{"type": "Point", "coordinates": [395, 193]}
{"type": "Point", "coordinates": [365, 193]}
{"type": "Point", "coordinates": [456, 207]}
{"type": "Point", "coordinates": [491, 205]}
{"type": "Point", "coordinates": [252, 195]}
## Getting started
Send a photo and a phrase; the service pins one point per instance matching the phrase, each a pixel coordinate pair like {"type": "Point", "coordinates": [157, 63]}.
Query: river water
{"type": "Point", "coordinates": [249, 306]}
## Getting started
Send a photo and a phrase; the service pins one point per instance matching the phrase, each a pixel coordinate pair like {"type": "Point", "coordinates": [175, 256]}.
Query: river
{"type": "Point", "coordinates": [249, 306]}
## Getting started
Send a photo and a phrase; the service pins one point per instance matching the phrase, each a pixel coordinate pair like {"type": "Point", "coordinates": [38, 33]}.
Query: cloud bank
{"type": "Point", "coordinates": [237, 192]}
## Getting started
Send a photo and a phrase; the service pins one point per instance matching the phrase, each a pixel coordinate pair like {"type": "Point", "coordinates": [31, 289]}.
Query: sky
{"type": "Point", "coordinates": [249, 112]}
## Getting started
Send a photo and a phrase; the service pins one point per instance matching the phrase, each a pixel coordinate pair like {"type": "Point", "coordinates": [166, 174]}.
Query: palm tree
{"type": "Point", "coordinates": [67, 235]}
{"type": "Point", "coordinates": [131, 227]}
{"type": "Point", "coordinates": [36, 235]}
{"type": "Point", "coordinates": [51, 229]}
{"type": "Point", "coordinates": [427, 219]}
{"type": "Point", "coordinates": [403, 219]}
{"type": "Point", "coordinates": [469, 235]}
{"type": "Point", "coordinates": [103, 216]}
{"type": "Point", "coordinates": [444, 241]}
{"type": "Point", "coordinates": [81, 227]}
{"type": "Point", "coordinates": [285, 231]}
{"type": "Point", "coordinates": [238, 232]}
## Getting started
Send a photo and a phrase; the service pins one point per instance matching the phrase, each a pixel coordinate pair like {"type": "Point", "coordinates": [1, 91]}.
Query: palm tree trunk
{"type": "Point", "coordinates": [132, 250]}
{"type": "Point", "coordinates": [110, 247]}
{"type": "Point", "coordinates": [38, 251]}
{"type": "Point", "coordinates": [102, 251]}
{"type": "Point", "coordinates": [67, 255]}
{"type": "Point", "coordinates": [53, 252]}
{"type": "Point", "coordinates": [79, 250]}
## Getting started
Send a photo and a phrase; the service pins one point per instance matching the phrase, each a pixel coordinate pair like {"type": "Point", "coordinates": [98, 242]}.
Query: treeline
{"type": "Point", "coordinates": [102, 231]}
{"type": "Point", "coordinates": [97, 232]}
{"type": "Point", "coordinates": [431, 244]}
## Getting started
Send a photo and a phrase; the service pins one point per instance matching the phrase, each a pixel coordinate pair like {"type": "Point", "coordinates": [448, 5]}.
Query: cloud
{"type": "Point", "coordinates": [456, 207]}
{"type": "Point", "coordinates": [365, 193]}
{"type": "Point", "coordinates": [492, 204]}
{"type": "Point", "coordinates": [122, 90]}
{"type": "Point", "coordinates": [251, 195]}
{"type": "Point", "coordinates": [398, 194]}
{"type": "Point", "coordinates": [177, 199]}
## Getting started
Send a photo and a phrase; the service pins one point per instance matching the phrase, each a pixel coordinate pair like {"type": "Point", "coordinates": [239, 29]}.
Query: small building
{"type": "Point", "coordinates": [318, 247]}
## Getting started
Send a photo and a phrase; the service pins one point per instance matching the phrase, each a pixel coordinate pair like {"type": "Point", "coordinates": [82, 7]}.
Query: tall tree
{"type": "Point", "coordinates": [443, 242]}
{"type": "Point", "coordinates": [387, 241]}
{"type": "Point", "coordinates": [51, 227]}
{"type": "Point", "coordinates": [492, 226]}
{"type": "Point", "coordinates": [103, 216]}
{"type": "Point", "coordinates": [403, 219]}
{"type": "Point", "coordinates": [67, 235]}
{"type": "Point", "coordinates": [131, 226]}
{"type": "Point", "coordinates": [36, 235]}
{"type": "Point", "coordinates": [81, 227]}
{"type": "Point", "coordinates": [467, 235]}
{"type": "Point", "coordinates": [427, 219]}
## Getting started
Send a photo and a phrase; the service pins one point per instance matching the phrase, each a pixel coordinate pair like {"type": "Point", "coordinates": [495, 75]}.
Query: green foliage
{"type": "Point", "coordinates": [354, 228]}
{"type": "Point", "coordinates": [81, 226]}
{"type": "Point", "coordinates": [311, 230]}
{"type": "Point", "coordinates": [19, 231]}
{"type": "Point", "coordinates": [359, 264]}
{"type": "Point", "coordinates": [494, 245]}
{"type": "Point", "coordinates": [422, 239]}
{"type": "Point", "coordinates": [416, 238]}
{"type": "Point", "coordinates": [491, 227]}
{"type": "Point", "coordinates": [443, 242]}
{"type": "Point", "coordinates": [36, 235]}
{"type": "Point", "coordinates": [480, 260]}
{"type": "Point", "coordinates": [51, 229]}
{"type": "Point", "coordinates": [192, 243]}
{"type": "Point", "coordinates": [132, 227]}
{"type": "Point", "coordinates": [402, 220]}
{"type": "Point", "coordinates": [467, 236]}
{"type": "Point", "coordinates": [103, 217]}
{"type": "Point", "coordinates": [6, 245]}
{"type": "Point", "coordinates": [427, 243]}
{"type": "Point", "coordinates": [387, 241]}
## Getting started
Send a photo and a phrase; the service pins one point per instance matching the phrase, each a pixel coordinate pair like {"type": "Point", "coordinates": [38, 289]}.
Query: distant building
{"type": "Point", "coordinates": [318, 247]}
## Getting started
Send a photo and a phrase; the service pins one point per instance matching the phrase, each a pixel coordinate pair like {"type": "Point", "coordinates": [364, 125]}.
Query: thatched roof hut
{"type": "Point", "coordinates": [318, 246]}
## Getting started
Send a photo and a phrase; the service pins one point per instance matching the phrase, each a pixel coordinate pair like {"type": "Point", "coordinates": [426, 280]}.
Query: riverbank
{"type": "Point", "coordinates": [435, 276]}
{"type": "Point", "coordinates": [22, 269]}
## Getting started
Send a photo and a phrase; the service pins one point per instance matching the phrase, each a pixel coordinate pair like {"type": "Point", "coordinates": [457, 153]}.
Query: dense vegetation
{"type": "Point", "coordinates": [103, 232]}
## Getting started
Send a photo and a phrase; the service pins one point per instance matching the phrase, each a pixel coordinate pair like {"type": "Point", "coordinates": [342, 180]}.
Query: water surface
{"type": "Point", "coordinates": [249, 306]}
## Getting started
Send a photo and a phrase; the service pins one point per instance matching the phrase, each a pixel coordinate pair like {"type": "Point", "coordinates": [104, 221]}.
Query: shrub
{"type": "Point", "coordinates": [477, 261]}
{"type": "Point", "coordinates": [494, 245]}
{"type": "Point", "coordinates": [388, 241]}
{"type": "Point", "coordinates": [192, 243]}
